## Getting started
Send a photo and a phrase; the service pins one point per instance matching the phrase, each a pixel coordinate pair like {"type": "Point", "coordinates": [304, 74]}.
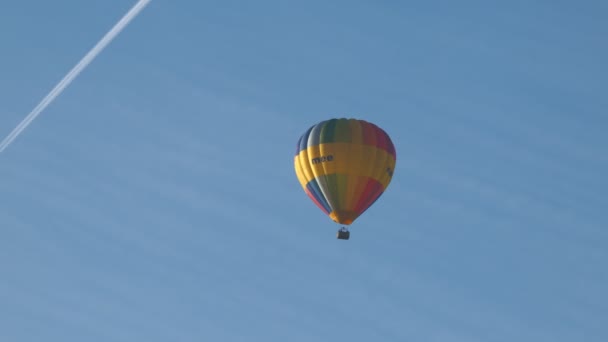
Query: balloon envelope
{"type": "Point", "coordinates": [344, 166]}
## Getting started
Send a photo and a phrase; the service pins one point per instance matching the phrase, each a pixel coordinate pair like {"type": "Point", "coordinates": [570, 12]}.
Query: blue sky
{"type": "Point", "coordinates": [155, 199]}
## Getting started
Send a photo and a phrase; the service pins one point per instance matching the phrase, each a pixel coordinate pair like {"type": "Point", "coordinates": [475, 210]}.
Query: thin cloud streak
{"type": "Point", "coordinates": [70, 76]}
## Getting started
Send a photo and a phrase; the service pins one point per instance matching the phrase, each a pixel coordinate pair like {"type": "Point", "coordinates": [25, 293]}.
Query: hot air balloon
{"type": "Point", "coordinates": [344, 166]}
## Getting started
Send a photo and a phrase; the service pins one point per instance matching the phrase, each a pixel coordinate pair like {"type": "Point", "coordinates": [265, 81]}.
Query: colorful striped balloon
{"type": "Point", "coordinates": [344, 165]}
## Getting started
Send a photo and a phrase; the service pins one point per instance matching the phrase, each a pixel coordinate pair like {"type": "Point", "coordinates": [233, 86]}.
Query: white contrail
{"type": "Point", "coordinates": [70, 76]}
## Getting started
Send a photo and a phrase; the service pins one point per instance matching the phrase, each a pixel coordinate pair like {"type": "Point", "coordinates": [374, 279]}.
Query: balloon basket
{"type": "Point", "coordinates": [343, 234]}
